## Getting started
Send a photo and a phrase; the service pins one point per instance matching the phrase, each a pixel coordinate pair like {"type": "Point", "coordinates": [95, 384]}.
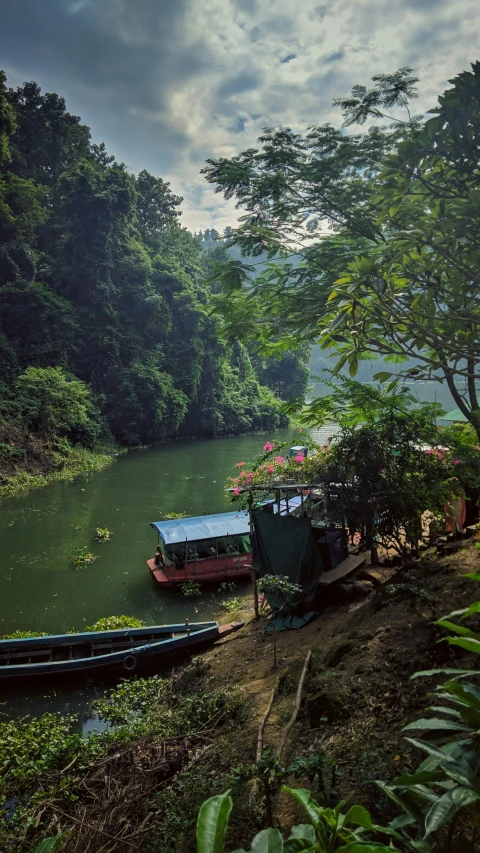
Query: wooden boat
{"type": "Point", "coordinates": [208, 548]}
{"type": "Point", "coordinates": [124, 650]}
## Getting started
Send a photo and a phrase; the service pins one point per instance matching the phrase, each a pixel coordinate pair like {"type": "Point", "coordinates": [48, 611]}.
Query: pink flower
{"type": "Point", "coordinates": [239, 464]}
{"type": "Point", "coordinates": [236, 491]}
{"type": "Point", "coordinates": [456, 461]}
{"type": "Point", "coordinates": [268, 446]}
{"type": "Point", "coordinates": [278, 460]}
{"type": "Point", "coordinates": [249, 478]}
{"type": "Point", "coordinates": [270, 469]}
{"type": "Point", "coordinates": [477, 447]}
{"type": "Point", "coordinates": [299, 458]}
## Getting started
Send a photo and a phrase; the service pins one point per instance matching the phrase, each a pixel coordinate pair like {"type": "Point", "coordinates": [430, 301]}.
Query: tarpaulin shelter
{"type": "Point", "coordinates": [285, 545]}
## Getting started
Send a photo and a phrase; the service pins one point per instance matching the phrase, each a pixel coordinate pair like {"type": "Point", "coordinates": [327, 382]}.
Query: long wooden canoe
{"type": "Point", "coordinates": [124, 650]}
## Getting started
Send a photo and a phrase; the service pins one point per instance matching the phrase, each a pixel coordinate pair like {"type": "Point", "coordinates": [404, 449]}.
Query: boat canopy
{"type": "Point", "coordinates": [203, 527]}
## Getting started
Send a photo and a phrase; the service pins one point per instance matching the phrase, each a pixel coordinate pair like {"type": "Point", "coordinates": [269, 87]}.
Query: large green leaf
{"type": "Point", "coordinates": [421, 777]}
{"type": "Point", "coordinates": [267, 841]}
{"type": "Point", "coordinates": [458, 629]}
{"type": "Point", "coordinates": [305, 798]}
{"type": "Point", "coordinates": [465, 643]}
{"type": "Point", "coordinates": [212, 823]}
{"type": "Point", "coordinates": [410, 807]}
{"type": "Point", "coordinates": [470, 611]}
{"type": "Point", "coordinates": [298, 845]}
{"type": "Point", "coordinates": [359, 817]}
{"type": "Point", "coordinates": [366, 847]}
{"type": "Point", "coordinates": [49, 845]}
{"type": "Point", "coordinates": [474, 576]}
{"type": "Point", "coordinates": [303, 830]}
{"type": "Point", "coordinates": [435, 724]}
{"type": "Point", "coordinates": [460, 673]}
{"type": "Point", "coordinates": [440, 813]}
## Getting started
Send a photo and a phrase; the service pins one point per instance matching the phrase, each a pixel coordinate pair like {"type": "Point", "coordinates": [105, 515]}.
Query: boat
{"type": "Point", "coordinates": [202, 548]}
{"type": "Point", "coordinates": [209, 548]}
{"type": "Point", "coordinates": [125, 650]}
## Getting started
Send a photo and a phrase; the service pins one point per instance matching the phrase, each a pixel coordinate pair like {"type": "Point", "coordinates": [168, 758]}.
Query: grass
{"type": "Point", "coordinates": [79, 461]}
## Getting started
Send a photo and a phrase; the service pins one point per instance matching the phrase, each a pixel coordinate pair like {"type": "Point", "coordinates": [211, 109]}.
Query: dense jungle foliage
{"type": "Point", "coordinates": [104, 321]}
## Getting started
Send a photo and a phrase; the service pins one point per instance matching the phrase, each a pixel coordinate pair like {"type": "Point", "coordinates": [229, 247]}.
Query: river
{"type": "Point", "coordinates": [40, 588]}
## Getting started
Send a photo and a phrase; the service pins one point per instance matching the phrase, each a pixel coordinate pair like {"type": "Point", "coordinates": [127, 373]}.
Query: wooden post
{"type": "Point", "coordinates": [254, 575]}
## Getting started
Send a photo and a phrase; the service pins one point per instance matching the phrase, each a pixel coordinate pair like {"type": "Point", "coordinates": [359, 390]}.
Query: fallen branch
{"type": "Point", "coordinates": [262, 724]}
{"type": "Point", "coordinates": [296, 709]}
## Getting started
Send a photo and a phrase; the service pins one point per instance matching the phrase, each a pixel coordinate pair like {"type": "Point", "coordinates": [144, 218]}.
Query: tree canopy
{"type": "Point", "coordinates": [372, 236]}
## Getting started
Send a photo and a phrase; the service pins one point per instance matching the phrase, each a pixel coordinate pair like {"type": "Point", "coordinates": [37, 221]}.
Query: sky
{"type": "Point", "coordinates": [168, 83]}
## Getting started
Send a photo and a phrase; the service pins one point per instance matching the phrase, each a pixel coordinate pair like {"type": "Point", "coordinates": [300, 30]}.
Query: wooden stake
{"type": "Point", "coordinates": [296, 709]}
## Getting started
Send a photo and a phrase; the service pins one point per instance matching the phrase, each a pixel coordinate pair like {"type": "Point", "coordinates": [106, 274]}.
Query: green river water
{"type": "Point", "coordinates": [40, 588]}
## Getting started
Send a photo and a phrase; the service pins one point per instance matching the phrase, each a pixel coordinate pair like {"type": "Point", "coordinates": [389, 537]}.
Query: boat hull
{"type": "Point", "coordinates": [125, 651]}
{"type": "Point", "coordinates": [213, 570]}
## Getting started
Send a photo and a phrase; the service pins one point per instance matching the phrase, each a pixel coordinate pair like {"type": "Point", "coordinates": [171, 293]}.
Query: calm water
{"type": "Point", "coordinates": [40, 589]}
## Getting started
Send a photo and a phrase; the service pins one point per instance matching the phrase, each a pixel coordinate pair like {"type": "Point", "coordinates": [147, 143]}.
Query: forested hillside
{"type": "Point", "coordinates": [105, 328]}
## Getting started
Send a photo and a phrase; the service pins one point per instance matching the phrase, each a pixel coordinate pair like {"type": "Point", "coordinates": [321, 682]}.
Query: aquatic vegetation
{"type": "Point", "coordinates": [83, 557]}
{"type": "Point", "coordinates": [227, 586]}
{"type": "Point", "coordinates": [112, 623]}
{"type": "Point", "coordinates": [190, 589]}
{"type": "Point", "coordinates": [102, 534]}
{"type": "Point", "coordinates": [22, 635]}
{"type": "Point", "coordinates": [233, 604]}
{"type": "Point", "coordinates": [172, 516]}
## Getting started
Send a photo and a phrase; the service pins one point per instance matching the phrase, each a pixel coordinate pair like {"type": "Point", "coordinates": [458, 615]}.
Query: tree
{"type": "Point", "coordinates": [51, 402]}
{"type": "Point", "coordinates": [386, 224]}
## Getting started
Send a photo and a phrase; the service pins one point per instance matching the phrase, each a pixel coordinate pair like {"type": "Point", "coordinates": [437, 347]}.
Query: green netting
{"type": "Point", "coordinates": [285, 546]}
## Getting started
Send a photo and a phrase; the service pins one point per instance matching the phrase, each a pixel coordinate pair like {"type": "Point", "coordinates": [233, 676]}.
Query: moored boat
{"type": "Point", "coordinates": [203, 548]}
{"type": "Point", "coordinates": [209, 548]}
{"type": "Point", "coordinates": [124, 650]}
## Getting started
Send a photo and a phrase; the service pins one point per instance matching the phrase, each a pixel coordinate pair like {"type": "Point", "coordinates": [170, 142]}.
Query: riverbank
{"type": "Point", "coordinates": [178, 741]}
{"type": "Point", "coordinates": [39, 466]}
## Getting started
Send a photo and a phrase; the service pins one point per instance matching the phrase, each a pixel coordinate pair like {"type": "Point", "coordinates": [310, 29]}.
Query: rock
{"type": "Point", "coordinates": [347, 592]}
{"type": "Point", "coordinates": [335, 654]}
{"type": "Point", "coordinates": [375, 576]}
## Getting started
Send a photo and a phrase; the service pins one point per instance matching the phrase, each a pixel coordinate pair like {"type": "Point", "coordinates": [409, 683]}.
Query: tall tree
{"type": "Point", "coordinates": [386, 225]}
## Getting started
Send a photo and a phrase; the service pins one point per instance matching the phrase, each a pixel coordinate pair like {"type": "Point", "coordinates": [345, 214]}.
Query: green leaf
{"type": "Point", "coordinates": [382, 376]}
{"type": "Point", "coordinates": [212, 823]}
{"type": "Point", "coordinates": [353, 366]}
{"type": "Point", "coordinates": [303, 830]}
{"type": "Point", "coordinates": [465, 643]}
{"type": "Point", "coordinates": [470, 611]}
{"type": "Point", "coordinates": [441, 812]}
{"type": "Point", "coordinates": [49, 845]}
{"type": "Point", "coordinates": [365, 847]}
{"type": "Point", "coordinates": [432, 750]}
{"type": "Point", "coordinates": [341, 316]}
{"type": "Point", "coordinates": [474, 576]}
{"type": "Point", "coordinates": [458, 629]}
{"type": "Point", "coordinates": [267, 841]}
{"type": "Point", "coordinates": [419, 778]}
{"type": "Point", "coordinates": [446, 671]}
{"type": "Point", "coordinates": [297, 845]}
{"type": "Point", "coordinates": [359, 817]}
{"type": "Point", "coordinates": [434, 724]}
{"type": "Point", "coordinates": [306, 800]}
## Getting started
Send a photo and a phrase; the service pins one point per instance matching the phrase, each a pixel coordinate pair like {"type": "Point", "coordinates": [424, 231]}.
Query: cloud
{"type": "Point", "coordinates": [167, 83]}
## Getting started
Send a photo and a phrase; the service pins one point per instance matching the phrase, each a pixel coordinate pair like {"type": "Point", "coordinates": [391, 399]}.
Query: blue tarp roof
{"type": "Point", "coordinates": [202, 527]}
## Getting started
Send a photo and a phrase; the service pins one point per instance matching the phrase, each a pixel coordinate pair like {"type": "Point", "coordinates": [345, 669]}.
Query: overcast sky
{"type": "Point", "coordinates": [167, 83]}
